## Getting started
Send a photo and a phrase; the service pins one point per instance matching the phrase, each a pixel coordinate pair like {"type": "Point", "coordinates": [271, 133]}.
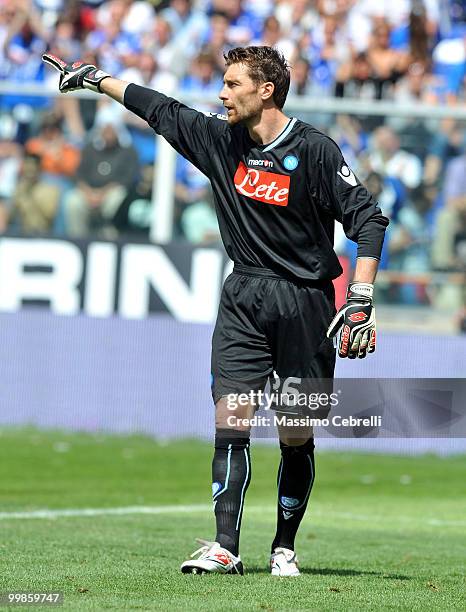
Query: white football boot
{"type": "Point", "coordinates": [212, 559]}
{"type": "Point", "coordinates": [283, 562]}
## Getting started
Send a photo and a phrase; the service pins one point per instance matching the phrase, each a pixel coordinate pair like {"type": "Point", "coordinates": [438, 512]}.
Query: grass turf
{"type": "Point", "coordinates": [381, 533]}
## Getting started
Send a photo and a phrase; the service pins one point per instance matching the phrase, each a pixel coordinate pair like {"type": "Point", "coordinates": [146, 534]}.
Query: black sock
{"type": "Point", "coordinates": [231, 474]}
{"type": "Point", "coordinates": [294, 482]}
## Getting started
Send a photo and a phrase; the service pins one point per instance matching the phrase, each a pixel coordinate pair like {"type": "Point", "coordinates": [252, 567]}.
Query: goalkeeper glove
{"type": "Point", "coordinates": [356, 320]}
{"type": "Point", "coordinates": [77, 75]}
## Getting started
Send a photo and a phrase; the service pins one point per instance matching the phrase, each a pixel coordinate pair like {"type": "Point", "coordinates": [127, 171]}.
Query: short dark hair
{"type": "Point", "coordinates": [264, 64]}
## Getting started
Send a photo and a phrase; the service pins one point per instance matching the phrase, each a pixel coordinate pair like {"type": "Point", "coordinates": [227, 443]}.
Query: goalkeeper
{"type": "Point", "coordinates": [279, 185]}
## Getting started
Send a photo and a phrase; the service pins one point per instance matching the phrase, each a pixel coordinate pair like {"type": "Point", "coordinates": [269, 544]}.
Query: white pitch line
{"type": "Point", "coordinates": [379, 518]}
{"type": "Point", "coordinates": [52, 514]}
{"type": "Point", "coordinates": [193, 508]}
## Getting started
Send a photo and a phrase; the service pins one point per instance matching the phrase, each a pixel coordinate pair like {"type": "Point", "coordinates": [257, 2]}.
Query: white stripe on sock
{"type": "Point", "coordinates": [242, 490]}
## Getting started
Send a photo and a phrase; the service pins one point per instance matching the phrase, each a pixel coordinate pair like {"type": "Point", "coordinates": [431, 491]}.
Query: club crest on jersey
{"type": "Point", "coordinates": [266, 187]}
{"type": "Point", "coordinates": [291, 162]}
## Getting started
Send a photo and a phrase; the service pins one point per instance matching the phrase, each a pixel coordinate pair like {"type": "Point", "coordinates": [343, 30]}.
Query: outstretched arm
{"type": "Point", "coordinates": [114, 88]}
{"type": "Point", "coordinates": [190, 132]}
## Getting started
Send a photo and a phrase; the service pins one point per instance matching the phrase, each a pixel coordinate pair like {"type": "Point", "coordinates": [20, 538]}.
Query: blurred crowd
{"type": "Point", "coordinates": [84, 167]}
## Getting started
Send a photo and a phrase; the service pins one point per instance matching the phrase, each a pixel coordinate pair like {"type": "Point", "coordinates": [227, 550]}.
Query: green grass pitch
{"type": "Point", "coordinates": [381, 532]}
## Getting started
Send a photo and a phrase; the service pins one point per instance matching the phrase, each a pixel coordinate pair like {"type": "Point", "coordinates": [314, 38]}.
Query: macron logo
{"type": "Point", "coordinates": [260, 162]}
{"type": "Point", "coordinates": [348, 176]}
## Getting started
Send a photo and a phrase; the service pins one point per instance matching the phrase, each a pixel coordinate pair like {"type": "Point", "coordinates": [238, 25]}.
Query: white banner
{"type": "Point", "coordinates": [102, 279]}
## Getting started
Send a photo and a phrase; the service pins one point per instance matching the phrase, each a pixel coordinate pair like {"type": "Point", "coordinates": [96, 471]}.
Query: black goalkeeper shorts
{"type": "Point", "coordinates": [267, 324]}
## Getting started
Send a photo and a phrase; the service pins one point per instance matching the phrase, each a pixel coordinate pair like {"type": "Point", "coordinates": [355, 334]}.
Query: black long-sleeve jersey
{"type": "Point", "coordinates": [276, 203]}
